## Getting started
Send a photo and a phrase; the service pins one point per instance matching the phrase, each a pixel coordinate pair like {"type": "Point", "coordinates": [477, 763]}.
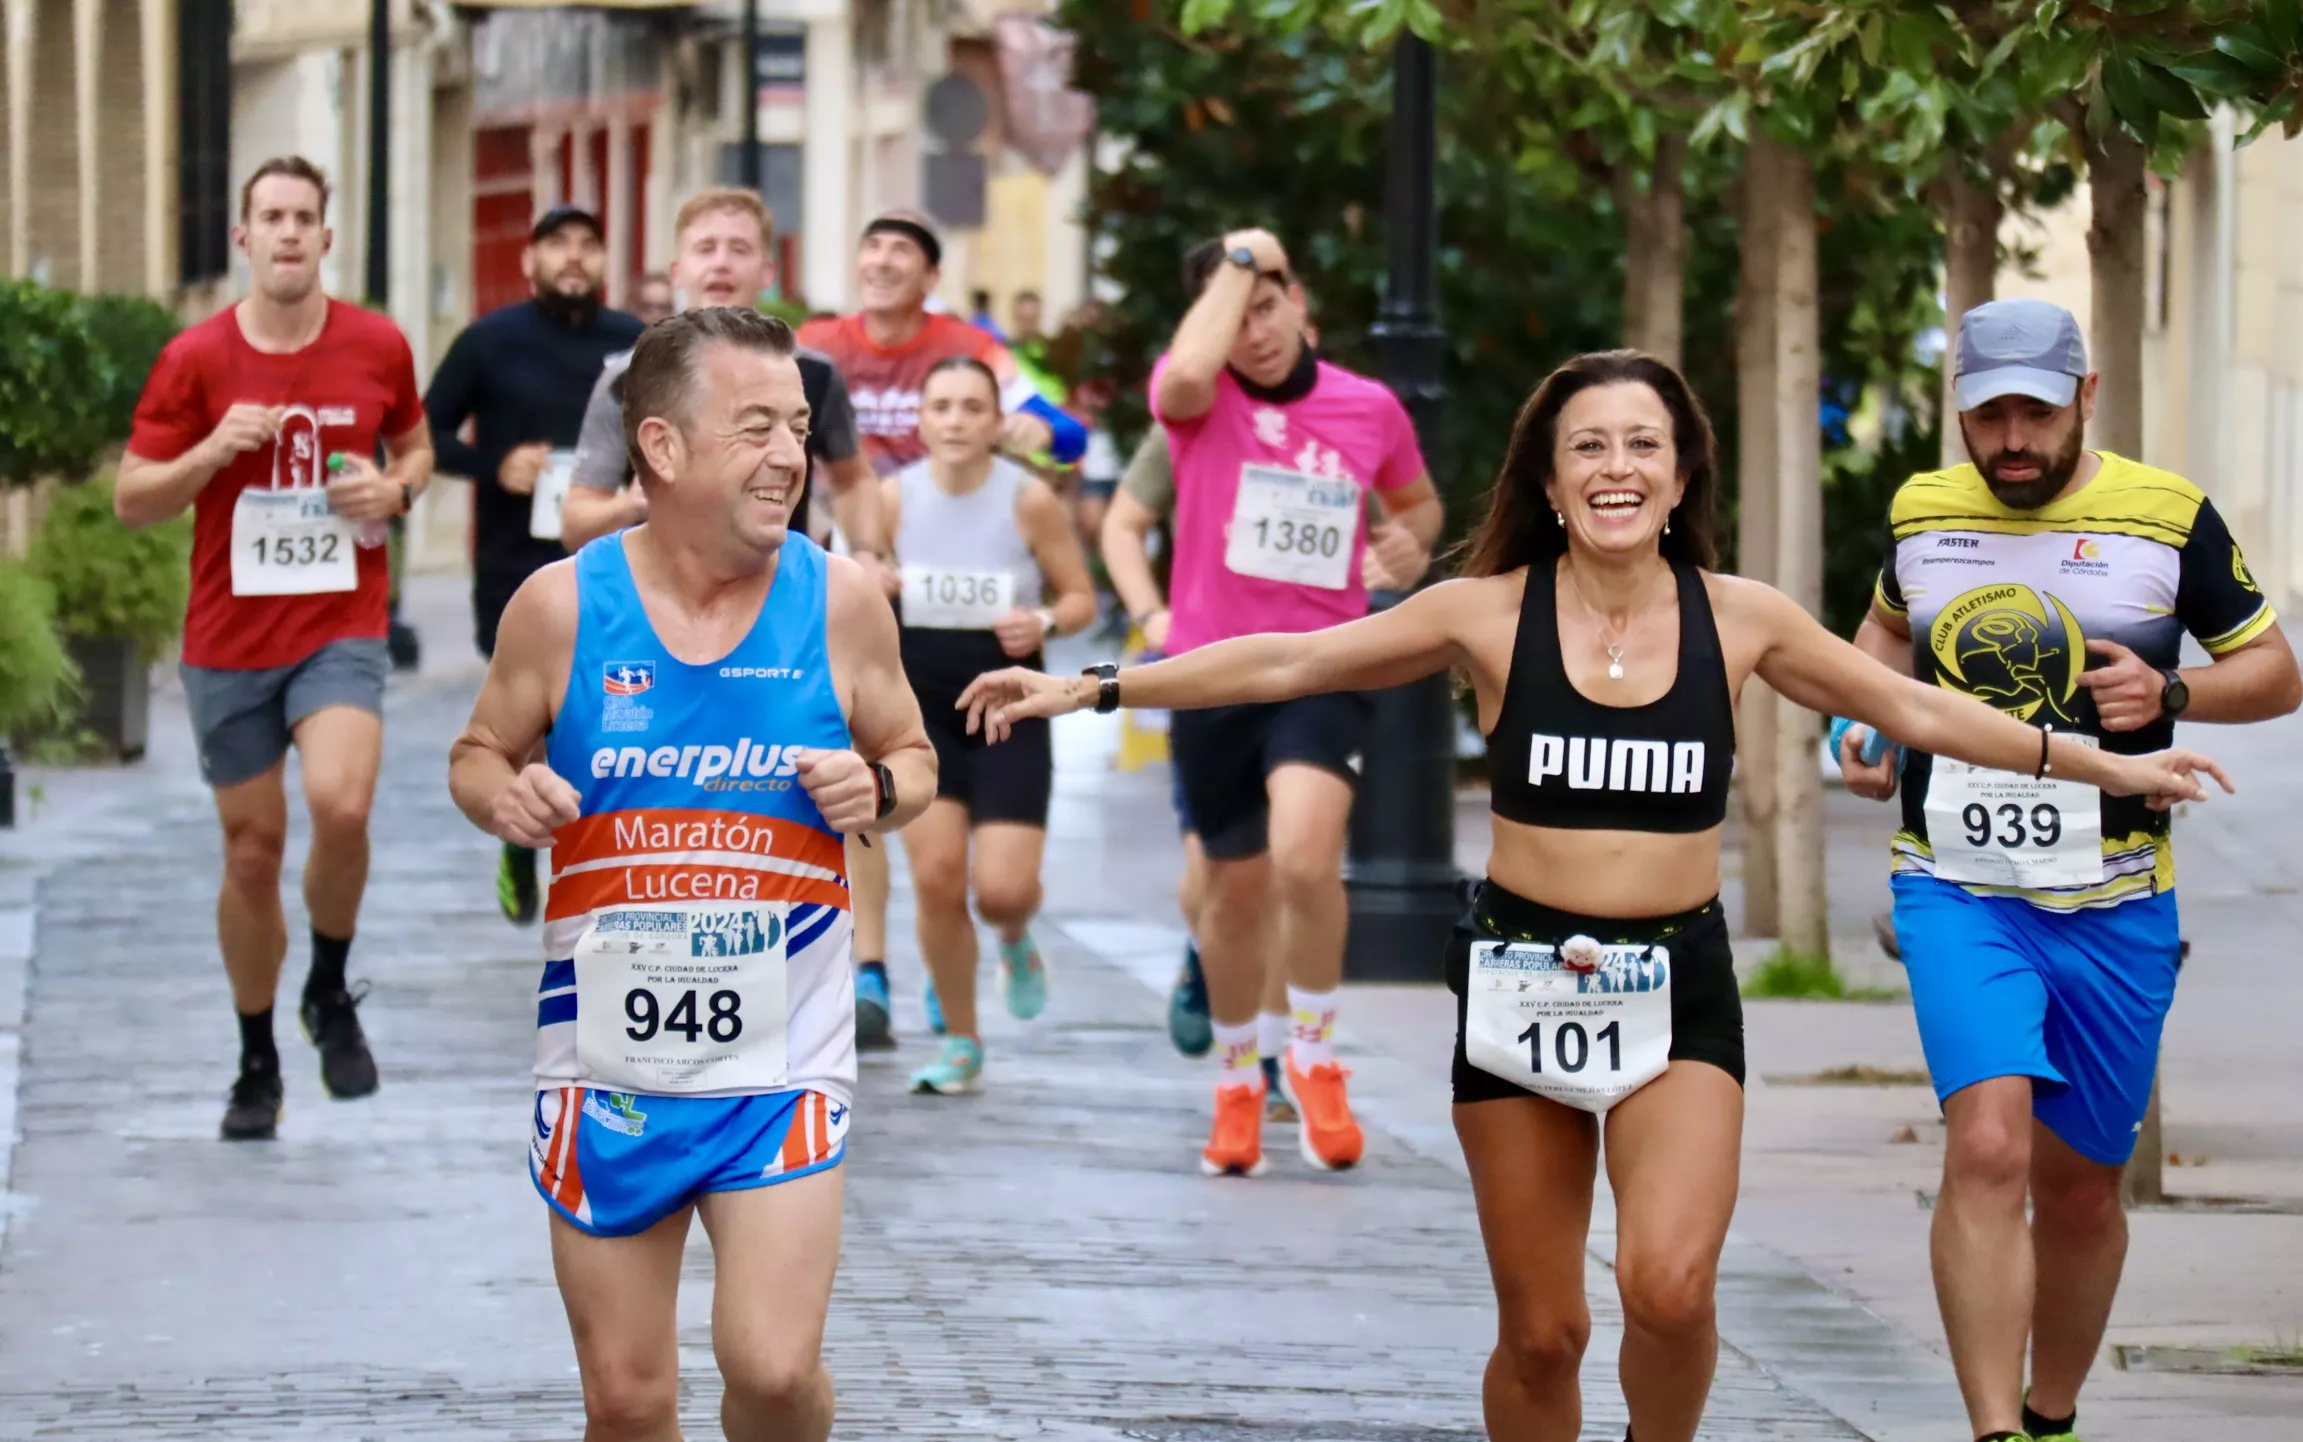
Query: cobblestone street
{"type": "Point", "coordinates": [1044, 1261]}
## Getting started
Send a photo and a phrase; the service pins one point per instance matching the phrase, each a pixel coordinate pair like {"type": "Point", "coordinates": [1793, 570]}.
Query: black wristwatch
{"type": "Point", "coordinates": [885, 781]}
{"type": "Point", "coordinates": [407, 496]}
{"type": "Point", "coordinates": [1242, 257]}
{"type": "Point", "coordinates": [1107, 674]}
{"type": "Point", "coordinates": [2175, 696]}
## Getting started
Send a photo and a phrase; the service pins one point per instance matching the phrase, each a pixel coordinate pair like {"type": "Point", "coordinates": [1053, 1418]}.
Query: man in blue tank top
{"type": "Point", "coordinates": [718, 704]}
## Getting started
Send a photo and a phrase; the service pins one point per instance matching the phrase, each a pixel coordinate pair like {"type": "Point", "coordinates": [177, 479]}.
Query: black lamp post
{"type": "Point", "coordinates": [379, 152]}
{"type": "Point", "coordinates": [750, 161]}
{"type": "Point", "coordinates": [1404, 887]}
{"type": "Point", "coordinates": [406, 649]}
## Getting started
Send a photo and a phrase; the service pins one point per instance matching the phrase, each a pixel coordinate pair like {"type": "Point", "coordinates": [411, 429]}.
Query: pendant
{"type": "Point", "coordinates": [1615, 670]}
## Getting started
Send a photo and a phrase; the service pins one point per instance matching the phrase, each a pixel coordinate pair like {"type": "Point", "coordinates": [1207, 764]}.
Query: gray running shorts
{"type": "Point", "coordinates": [242, 720]}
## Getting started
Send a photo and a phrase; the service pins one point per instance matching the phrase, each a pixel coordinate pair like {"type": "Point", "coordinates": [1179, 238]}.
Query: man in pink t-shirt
{"type": "Point", "coordinates": [1275, 451]}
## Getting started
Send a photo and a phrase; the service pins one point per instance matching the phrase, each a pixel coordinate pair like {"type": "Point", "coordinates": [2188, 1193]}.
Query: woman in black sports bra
{"type": "Point", "coordinates": [1592, 968]}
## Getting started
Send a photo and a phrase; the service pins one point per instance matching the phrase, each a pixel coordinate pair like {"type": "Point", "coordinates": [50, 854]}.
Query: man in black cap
{"type": "Point", "coordinates": [521, 375]}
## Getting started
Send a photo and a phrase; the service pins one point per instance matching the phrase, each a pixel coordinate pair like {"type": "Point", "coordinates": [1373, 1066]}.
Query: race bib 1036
{"type": "Point", "coordinates": [946, 600]}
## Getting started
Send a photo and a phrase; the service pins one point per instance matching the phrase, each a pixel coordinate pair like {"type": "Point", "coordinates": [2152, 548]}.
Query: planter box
{"type": "Point", "coordinates": [116, 692]}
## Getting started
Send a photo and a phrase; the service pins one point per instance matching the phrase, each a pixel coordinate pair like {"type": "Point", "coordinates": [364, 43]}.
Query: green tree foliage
{"type": "Point", "coordinates": [1290, 126]}
{"type": "Point", "coordinates": [73, 368]}
{"type": "Point", "coordinates": [107, 580]}
{"type": "Point", "coordinates": [37, 680]}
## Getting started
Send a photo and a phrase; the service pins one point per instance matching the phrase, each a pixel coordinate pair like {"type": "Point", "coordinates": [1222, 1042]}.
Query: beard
{"type": "Point", "coordinates": [2054, 474]}
{"type": "Point", "coordinates": [577, 308]}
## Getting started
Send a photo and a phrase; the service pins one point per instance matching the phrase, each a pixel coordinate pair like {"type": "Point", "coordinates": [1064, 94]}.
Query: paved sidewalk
{"type": "Point", "coordinates": [1044, 1261]}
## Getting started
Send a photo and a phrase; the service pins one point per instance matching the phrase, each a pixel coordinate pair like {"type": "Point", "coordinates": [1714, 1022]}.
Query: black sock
{"type": "Point", "coordinates": [328, 957]}
{"type": "Point", "coordinates": [256, 1043]}
{"type": "Point", "coordinates": [2001, 1437]}
{"type": "Point", "coordinates": [875, 968]}
{"type": "Point", "coordinates": [2039, 1426]}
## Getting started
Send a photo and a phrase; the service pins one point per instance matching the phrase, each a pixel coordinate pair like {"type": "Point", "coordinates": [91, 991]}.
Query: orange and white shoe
{"type": "Point", "coordinates": [1331, 1139]}
{"type": "Point", "coordinates": [1235, 1148]}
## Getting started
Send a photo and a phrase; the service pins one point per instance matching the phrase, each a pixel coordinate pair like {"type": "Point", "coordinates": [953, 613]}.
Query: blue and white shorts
{"type": "Point", "coordinates": [614, 1164]}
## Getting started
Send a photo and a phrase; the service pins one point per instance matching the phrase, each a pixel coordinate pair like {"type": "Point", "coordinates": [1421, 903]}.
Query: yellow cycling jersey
{"type": "Point", "coordinates": [2002, 605]}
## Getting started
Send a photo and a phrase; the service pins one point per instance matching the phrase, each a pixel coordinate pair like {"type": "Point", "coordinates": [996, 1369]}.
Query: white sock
{"type": "Point", "coordinates": [1236, 1059]}
{"type": "Point", "coordinates": [1271, 1033]}
{"type": "Point", "coordinates": [1312, 1039]}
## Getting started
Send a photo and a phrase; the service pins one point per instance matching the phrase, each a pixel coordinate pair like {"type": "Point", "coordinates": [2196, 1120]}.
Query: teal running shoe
{"type": "Point", "coordinates": [957, 1071]}
{"type": "Point", "coordinates": [1024, 978]}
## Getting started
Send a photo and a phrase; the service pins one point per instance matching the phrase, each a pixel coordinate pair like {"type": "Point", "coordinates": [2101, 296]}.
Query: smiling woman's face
{"type": "Point", "coordinates": [1615, 468]}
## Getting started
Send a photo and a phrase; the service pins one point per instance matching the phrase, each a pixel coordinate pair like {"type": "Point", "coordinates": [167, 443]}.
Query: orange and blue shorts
{"type": "Point", "coordinates": [614, 1164]}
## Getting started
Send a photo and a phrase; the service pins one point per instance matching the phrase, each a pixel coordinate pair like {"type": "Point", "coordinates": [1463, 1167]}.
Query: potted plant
{"type": "Point", "coordinates": [119, 598]}
{"type": "Point", "coordinates": [36, 679]}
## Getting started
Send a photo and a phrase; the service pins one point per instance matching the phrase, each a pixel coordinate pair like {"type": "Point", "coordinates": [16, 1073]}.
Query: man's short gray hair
{"type": "Point", "coordinates": [667, 373]}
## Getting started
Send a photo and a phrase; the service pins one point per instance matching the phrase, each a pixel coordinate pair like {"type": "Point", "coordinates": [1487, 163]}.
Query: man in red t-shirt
{"type": "Point", "coordinates": [265, 420]}
{"type": "Point", "coordinates": [886, 350]}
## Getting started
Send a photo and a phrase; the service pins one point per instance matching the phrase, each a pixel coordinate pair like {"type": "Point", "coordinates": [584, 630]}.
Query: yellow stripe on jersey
{"type": "Point", "coordinates": [1880, 598]}
{"type": "Point", "coordinates": [2126, 498]}
{"type": "Point", "coordinates": [2263, 620]}
{"type": "Point", "coordinates": [2138, 864]}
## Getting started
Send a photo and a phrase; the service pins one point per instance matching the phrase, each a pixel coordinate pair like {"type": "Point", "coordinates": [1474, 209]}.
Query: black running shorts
{"type": "Point", "coordinates": [1706, 1007]}
{"type": "Point", "coordinates": [1223, 754]}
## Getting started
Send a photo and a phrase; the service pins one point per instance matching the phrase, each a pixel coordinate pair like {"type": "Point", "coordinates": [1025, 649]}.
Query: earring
{"type": "Point", "coordinates": [1667, 525]}
{"type": "Point", "coordinates": [1561, 519]}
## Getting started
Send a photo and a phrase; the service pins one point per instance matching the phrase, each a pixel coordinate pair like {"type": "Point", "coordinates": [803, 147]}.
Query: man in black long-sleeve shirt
{"type": "Point", "coordinates": [521, 375]}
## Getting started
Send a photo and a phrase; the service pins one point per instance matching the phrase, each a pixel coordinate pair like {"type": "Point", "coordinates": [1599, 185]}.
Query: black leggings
{"type": "Point", "coordinates": [1706, 1008]}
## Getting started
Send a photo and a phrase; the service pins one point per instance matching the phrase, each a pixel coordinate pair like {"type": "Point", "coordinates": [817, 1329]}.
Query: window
{"type": "Point", "coordinates": [204, 136]}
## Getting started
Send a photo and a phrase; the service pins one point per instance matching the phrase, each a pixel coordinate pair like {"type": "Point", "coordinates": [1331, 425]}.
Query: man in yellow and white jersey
{"type": "Point", "coordinates": [2037, 918]}
{"type": "Point", "coordinates": [719, 705]}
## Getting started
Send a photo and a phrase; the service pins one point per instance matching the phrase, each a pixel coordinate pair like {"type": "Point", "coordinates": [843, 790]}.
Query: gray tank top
{"type": "Point", "coordinates": [974, 534]}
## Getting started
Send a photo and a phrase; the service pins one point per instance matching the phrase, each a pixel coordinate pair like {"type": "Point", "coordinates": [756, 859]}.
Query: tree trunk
{"type": "Point", "coordinates": [1655, 252]}
{"type": "Point", "coordinates": [1806, 928]}
{"type": "Point", "coordinates": [2115, 255]}
{"type": "Point", "coordinates": [1755, 523]}
{"type": "Point", "coordinates": [1971, 216]}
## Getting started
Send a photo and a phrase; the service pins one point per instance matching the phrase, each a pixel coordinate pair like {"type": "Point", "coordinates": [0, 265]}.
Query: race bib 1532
{"type": "Point", "coordinates": [290, 542]}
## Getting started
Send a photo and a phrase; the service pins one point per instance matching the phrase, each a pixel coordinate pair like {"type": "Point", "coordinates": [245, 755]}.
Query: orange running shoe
{"type": "Point", "coordinates": [1331, 1139]}
{"type": "Point", "coordinates": [1236, 1146]}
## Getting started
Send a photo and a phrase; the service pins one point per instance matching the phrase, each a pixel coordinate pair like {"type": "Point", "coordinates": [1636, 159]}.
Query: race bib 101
{"type": "Point", "coordinates": [1287, 526]}
{"type": "Point", "coordinates": [2002, 828]}
{"type": "Point", "coordinates": [673, 999]}
{"type": "Point", "coordinates": [553, 483]}
{"type": "Point", "coordinates": [1585, 1039]}
{"type": "Point", "coordinates": [290, 542]}
{"type": "Point", "coordinates": [943, 600]}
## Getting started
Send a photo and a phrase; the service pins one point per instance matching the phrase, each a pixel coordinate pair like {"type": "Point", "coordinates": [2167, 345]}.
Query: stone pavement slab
{"type": "Point", "coordinates": [1041, 1262]}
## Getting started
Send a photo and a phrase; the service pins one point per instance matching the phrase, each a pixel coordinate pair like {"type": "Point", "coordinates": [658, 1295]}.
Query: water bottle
{"type": "Point", "coordinates": [371, 534]}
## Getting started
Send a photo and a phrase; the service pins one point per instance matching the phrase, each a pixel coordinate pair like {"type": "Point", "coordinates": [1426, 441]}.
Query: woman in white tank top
{"type": "Point", "coordinates": [990, 570]}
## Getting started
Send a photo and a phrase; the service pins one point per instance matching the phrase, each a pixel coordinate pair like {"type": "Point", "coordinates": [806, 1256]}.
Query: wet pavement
{"type": "Point", "coordinates": [1043, 1261]}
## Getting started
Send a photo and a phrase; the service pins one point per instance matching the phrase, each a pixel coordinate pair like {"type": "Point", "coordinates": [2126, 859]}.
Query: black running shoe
{"type": "Point", "coordinates": [516, 884]}
{"type": "Point", "coordinates": [253, 1113]}
{"type": "Point", "coordinates": [332, 1023]}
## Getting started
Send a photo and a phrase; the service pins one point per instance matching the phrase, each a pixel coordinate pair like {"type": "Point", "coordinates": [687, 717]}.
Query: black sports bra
{"type": "Point", "coordinates": [1557, 758]}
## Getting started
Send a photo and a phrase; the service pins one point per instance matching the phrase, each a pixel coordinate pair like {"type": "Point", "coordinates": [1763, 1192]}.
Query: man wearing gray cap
{"type": "Point", "coordinates": [2037, 918]}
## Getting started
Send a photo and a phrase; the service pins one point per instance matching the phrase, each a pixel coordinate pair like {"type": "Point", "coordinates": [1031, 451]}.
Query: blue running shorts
{"type": "Point", "coordinates": [2073, 999]}
{"type": "Point", "coordinates": [614, 1164]}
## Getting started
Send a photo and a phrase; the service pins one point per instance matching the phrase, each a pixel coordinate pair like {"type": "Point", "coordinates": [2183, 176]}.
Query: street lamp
{"type": "Point", "coordinates": [751, 158]}
{"type": "Point", "coordinates": [1404, 888]}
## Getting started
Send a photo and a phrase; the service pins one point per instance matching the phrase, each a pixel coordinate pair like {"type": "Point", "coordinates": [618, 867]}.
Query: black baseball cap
{"type": "Point", "coordinates": [560, 215]}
